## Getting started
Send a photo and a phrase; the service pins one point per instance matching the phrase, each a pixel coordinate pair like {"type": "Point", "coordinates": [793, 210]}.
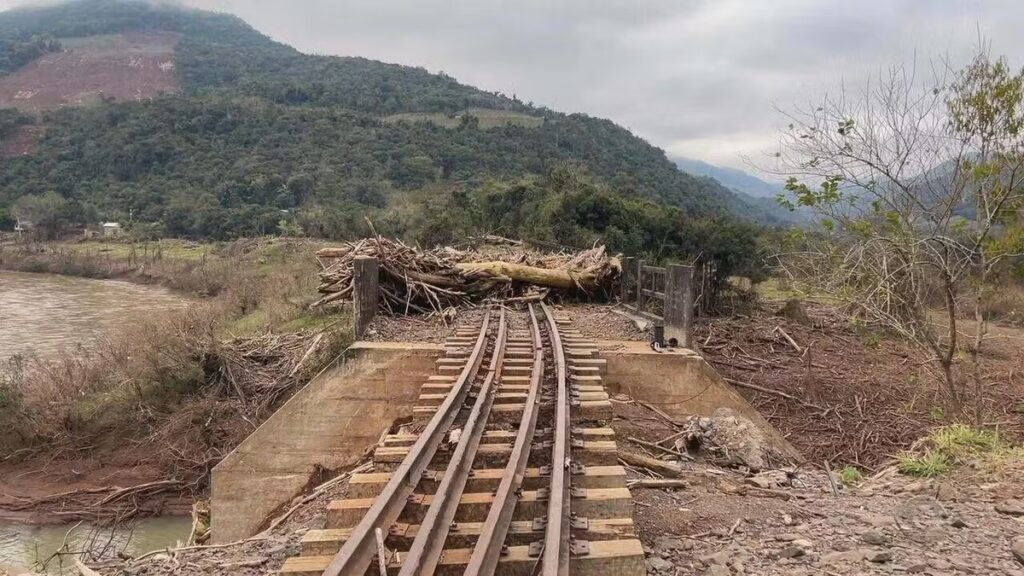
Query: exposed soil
{"type": "Point", "coordinates": [728, 521]}
{"type": "Point", "coordinates": [22, 142]}
{"type": "Point", "coordinates": [888, 525]}
{"type": "Point", "coordinates": [132, 66]}
{"type": "Point", "coordinates": [864, 396]}
{"type": "Point", "coordinates": [720, 525]}
{"type": "Point", "coordinates": [86, 478]}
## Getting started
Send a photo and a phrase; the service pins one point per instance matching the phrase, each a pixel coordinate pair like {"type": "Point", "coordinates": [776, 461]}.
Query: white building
{"type": "Point", "coordinates": [111, 229]}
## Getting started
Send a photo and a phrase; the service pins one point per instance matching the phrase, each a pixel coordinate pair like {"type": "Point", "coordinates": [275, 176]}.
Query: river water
{"type": "Point", "coordinates": [24, 548]}
{"type": "Point", "coordinates": [41, 315]}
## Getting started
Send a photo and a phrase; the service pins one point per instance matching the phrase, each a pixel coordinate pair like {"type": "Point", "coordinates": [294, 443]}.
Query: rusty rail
{"type": "Point", "coordinates": [557, 535]}
{"type": "Point", "coordinates": [428, 545]}
{"type": "Point", "coordinates": [360, 548]}
{"type": "Point", "coordinates": [489, 544]}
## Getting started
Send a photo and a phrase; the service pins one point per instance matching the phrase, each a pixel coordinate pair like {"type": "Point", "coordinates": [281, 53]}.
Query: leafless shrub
{"type": "Point", "coordinates": [919, 185]}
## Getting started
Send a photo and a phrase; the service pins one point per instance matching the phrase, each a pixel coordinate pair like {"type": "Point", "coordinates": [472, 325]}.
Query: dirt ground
{"type": "Point", "coordinates": [785, 520]}
{"type": "Point", "coordinates": [22, 142]}
{"type": "Point", "coordinates": [722, 524]}
{"type": "Point", "coordinates": [863, 396]}
{"type": "Point", "coordinates": [132, 66]}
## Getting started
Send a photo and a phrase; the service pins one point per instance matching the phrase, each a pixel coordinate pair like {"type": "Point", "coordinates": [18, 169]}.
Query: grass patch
{"type": "Point", "coordinates": [949, 446]}
{"type": "Point", "coordinates": [851, 476]}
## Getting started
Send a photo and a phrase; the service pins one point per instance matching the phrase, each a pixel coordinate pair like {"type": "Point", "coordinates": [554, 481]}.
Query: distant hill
{"type": "Point", "coordinates": [196, 124]}
{"type": "Point", "coordinates": [731, 178]}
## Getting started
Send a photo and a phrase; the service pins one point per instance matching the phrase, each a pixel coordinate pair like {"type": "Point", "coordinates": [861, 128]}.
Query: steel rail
{"type": "Point", "coordinates": [555, 561]}
{"type": "Point", "coordinates": [487, 551]}
{"type": "Point", "coordinates": [425, 552]}
{"type": "Point", "coordinates": [360, 548]}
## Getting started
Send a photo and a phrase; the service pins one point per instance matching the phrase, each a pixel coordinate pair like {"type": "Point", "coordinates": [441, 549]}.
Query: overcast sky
{"type": "Point", "coordinates": [699, 78]}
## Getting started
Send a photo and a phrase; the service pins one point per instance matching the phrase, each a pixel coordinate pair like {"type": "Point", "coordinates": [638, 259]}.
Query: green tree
{"type": "Point", "coordinates": [50, 214]}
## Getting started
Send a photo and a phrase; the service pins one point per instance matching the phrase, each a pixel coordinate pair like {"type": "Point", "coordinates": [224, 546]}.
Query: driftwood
{"type": "Point", "coordinates": [778, 393]}
{"type": "Point", "coordinates": [657, 483]}
{"type": "Point", "coordinates": [565, 279]}
{"type": "Point", "coordinates": [416, 280]}
{"type": "Point", "coordinates": [84, 570]}
{"type": "Point", "coordinates": [654, 446]}
{"type": "Point", "coordinates": [661, 467]}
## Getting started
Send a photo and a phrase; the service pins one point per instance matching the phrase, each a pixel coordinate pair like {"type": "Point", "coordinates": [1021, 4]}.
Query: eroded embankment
{"type": "Point", "coordinates": [132, 424]}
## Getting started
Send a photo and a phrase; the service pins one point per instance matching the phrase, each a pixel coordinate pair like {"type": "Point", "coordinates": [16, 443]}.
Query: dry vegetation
{"type": "Point", "coordinates": [848, 392]}
{"type": "Point", "coordinates": [416, 280]}
{"type": "Point", "coordinates": [174, 392]}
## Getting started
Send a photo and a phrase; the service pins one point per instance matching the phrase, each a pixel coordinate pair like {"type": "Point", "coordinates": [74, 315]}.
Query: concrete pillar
{"type": "Point", "coordinates": [364, 292]}
{"type": "Point", "coordinates": [679, 304]}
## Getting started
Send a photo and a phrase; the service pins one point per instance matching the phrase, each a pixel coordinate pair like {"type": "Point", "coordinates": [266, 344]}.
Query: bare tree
{"type": "Point", "coordinates": [918, 184]}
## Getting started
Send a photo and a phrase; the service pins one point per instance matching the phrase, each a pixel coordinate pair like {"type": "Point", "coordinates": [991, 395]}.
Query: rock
{"type": "Point", "coordinates": [874, 537]}
{"type": "Point", "coordinates": [844, 556]}
{"type": "Point", "coordinates": [1017, 549]}
{"type": "Point", "coordinates": [963, 564]}
{"type": "Point", "coordinates": [721, 557]}
{"type": "Point", "coordinates": [667, 543]}
{"type": "Point", "coordinates": [916, 567]}
{"type": "Point", "coordinates": [791, 552]}
{"type": "Point", "coordinates": [794, 310]}
{"type": "Point", "coordinates": [939, 564]}
{"type": "Point", "coordinates": [769, 479]}
{"type": "Point", "coordinates": [958, 523]}
{"type": "Point", "coordinates": [879, 556]}
{"type": "Point", "coordinates": [1011, 507]}
{"type": "Point", "coordinates": [945, 492]}
{"type": "Point", "coordinates": [915, 487]}
{"type": "Point", "coordinates": [786, 537]}
{"type": "Point", "coordinates": [934, 534]}
{"type": "Point", "coordinates": [718, 570]}
{"type": "Point", "coordinates": [787, 520]}
{"type": "Point", "coordinates": [740, 441]}
{"type": "Point", "coordinates": [803, 543]}
{"type": "Point", "coordinates": [659, 564]}
{"type": "Point", "coordinates": [874, 520]}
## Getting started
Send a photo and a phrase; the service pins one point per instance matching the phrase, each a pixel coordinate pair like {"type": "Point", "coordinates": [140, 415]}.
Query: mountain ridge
{"type": "Point", "coordinates": [732, 178]}
{"type": "Point", "coordinates": [262, 135]}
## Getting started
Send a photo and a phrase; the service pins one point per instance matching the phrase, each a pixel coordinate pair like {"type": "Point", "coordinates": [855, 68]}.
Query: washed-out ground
{"type": "Point", "coordinates": [731, 520]}
{"type": "Point", "coordinates": [725, 522]}
{"type": "Point", "coordinates": [720, 523]}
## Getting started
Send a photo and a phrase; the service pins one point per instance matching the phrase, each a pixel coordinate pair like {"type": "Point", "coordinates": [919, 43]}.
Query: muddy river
{"type": "Point", "coordinates": [41, 315]}
{"type": "Point", "coordinates": [25, 549]}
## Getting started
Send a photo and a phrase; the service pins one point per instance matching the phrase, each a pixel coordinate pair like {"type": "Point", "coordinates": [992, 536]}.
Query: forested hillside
{"type": "Point", "coordinates": [264, 139]}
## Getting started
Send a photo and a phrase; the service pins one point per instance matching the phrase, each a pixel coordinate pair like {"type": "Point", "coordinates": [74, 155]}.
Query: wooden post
{"type": "Point", "coordinates": [679, 304]}
{"type": "Point", "coordinates": [639, 285]}
{"type": "Point", "coordinates": [364, 292]}
{"type": "Point", "coordinates": [627, 277]}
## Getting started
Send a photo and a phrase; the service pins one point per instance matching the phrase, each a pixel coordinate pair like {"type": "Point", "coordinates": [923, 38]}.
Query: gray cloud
{"type": "Point", "coordinates": [699, 78]}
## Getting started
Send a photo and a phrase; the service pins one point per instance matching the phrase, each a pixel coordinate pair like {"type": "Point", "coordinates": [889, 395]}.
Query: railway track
{"type": "Point", "coordinates": [508, 468]}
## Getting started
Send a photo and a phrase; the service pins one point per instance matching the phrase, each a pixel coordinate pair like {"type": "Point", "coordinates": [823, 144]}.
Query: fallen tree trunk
{"type": "Point", "coordinates": [416, 280]}
{"type": "Point", "coordinates": [508, 271]}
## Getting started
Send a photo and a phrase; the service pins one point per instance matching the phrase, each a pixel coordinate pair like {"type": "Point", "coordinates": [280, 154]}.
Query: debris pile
{"type": "Point", "coordinates": [730, 440]}
{"type": "Point", "coordinates": [416, 280]}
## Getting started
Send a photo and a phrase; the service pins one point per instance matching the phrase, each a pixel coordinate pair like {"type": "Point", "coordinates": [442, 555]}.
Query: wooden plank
{"type": "Point", "coordinates": [623, 557]}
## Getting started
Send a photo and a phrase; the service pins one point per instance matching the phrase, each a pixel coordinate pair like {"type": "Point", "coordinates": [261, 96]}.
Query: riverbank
{"type": "Point", "coordinates": [132, 425]}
